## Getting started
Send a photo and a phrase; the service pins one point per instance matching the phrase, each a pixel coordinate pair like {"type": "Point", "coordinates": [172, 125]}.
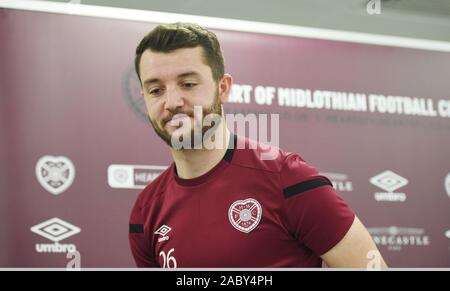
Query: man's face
{"type": "Point", "coordinates": [173, 83]}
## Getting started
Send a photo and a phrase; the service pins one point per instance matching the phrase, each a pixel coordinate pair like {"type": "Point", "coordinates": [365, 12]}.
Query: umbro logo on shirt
{"type": "Point", "coordinates": [163, 230]}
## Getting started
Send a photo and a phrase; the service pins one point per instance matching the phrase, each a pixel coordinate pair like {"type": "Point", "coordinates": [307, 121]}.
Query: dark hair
{"type": "Point", "coordinates": [169, 37]}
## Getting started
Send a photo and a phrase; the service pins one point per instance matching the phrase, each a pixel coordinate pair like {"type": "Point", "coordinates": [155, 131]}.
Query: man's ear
{"type": "Point", "coordinates": [225, 87]}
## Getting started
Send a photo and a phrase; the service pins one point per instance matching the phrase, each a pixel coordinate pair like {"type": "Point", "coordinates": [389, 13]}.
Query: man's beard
{"type": "Point", "coordinates": [216, 108]}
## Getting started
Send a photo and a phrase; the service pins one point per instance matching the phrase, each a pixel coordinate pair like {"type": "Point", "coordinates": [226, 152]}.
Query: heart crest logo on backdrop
{"type": "Point", "coordinates": [55, 174]}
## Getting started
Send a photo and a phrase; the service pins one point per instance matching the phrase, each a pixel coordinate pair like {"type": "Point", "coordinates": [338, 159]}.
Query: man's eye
{"type": "Point", "coordinates": [189, 85]}
{"type": "Point", "coordinates": [154, 91]}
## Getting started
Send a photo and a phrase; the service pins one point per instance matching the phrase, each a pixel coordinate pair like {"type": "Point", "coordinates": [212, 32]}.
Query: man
{"type": "Point", "coordinates": [225, 206]}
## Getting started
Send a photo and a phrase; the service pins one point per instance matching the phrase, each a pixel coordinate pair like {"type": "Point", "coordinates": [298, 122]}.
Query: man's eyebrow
{"type": "Point", "coordinates": [188, 74]}
{"type": "Point", "coordinates": [180, 76]}
{"type": "Point", "coordinates": [150, 81]}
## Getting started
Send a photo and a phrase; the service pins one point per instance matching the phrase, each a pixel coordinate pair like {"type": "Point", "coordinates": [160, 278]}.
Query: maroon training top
{"type": "Point", "coordinates": [245, 212]}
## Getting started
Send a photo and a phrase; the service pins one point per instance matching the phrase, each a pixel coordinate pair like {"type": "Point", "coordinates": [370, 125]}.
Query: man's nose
{"type": "Point", "coordinates": [174, 99]}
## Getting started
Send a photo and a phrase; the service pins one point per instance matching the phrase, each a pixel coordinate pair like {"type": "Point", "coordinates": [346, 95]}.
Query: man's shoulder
{"type": "Point", "coordinates": [259, 155]}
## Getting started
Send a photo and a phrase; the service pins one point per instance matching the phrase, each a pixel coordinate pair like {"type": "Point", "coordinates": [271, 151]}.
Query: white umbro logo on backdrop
{"type": "Point", "coordinates": [55, 229]}
{"type": "Point", "coordinates": [389, 181]}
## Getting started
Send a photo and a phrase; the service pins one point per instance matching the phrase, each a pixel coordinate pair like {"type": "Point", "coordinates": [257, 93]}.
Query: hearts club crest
{"type": "Point", "coordinates": [245, 215]}
{"type": "Point", "coordinates": [55, 174]}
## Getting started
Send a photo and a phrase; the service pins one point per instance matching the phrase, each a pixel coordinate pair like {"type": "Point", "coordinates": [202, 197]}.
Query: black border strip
{"type": "Point", "coordinates": [136, 228]}
{"type": "Point", "coordinates": [305, 186]}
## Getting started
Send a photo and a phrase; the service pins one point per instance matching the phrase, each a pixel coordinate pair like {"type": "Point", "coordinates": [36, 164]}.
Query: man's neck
{"type": "Point", "coordinates": [194, 163]}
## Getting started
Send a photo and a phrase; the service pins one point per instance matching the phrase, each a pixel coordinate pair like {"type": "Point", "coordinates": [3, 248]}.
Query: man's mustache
{"type": "Point", "coordinates": [169, 118]}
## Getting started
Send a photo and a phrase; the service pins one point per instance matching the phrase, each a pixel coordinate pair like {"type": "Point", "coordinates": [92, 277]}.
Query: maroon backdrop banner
{"type": "Point", "coordinates": [76, 147]}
